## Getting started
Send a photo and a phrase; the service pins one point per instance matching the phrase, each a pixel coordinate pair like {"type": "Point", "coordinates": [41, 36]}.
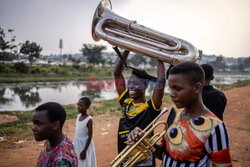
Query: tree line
{"type": "Point", "coordinates": [93, 54]}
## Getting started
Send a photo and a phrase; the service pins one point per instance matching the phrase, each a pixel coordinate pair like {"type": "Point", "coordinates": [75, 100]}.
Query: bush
{"type": "Point", "coordinates": [21, 67]}
{"type": "Point", "coordinates": [37, 69]}
{"type": "Point", "coordinates": [4, 68]}
{"type": "Point", "coordinates": [90, 68]}
{"type": "Point", "coordinates": [54, 69]}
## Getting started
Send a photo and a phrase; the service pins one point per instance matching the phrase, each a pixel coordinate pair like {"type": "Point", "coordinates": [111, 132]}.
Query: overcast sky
{"type": "Point", "coordinates": [220, 27]}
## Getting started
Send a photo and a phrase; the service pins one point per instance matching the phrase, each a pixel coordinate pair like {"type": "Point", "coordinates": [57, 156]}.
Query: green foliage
{"type": "Point", "coordinates": [137, 60]}
{"type": "Point", "coordinates": [153, 62]}
{"type": "Point", "coordinates": [243, 63]}
{"type": "Point", "coordinates": [21, 67]}
{"type": "Point", "coordinates": [3, 44]}
{"type": "Point", "coordinates": [90, 68]}
{"type": "Point", "coordinates": [93, 53]}
{"type": "Point", "coordinates": [4, 68]}
{"type": "Point", "coordinates": [37, 69]}
{"type": "Point", "coordinates": [218, 64]}
{"type": "Point", "coordinates": [32, 49]}
{"type": "Point", "coordinates": [76, 66]}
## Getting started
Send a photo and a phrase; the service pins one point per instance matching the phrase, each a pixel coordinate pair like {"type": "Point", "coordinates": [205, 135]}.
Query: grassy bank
{"type": "Point", "coordinates": [56, 73]}
{"type": "Point", "coordinates": [22, 127]}
{"type": "Point", "coordinates": [234, 85]}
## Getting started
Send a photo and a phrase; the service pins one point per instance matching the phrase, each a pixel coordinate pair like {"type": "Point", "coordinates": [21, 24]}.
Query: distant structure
{"type": "Point", "coordinates": [11, 39]}
{"type": "Point", "coordinates": [60, 46]}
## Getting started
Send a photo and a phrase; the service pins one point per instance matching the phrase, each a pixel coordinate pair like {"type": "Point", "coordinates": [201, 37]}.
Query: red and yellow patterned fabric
{"type": "Point", "coordinates": [196, 141]}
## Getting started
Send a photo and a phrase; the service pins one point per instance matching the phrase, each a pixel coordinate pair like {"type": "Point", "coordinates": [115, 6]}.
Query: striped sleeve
{"type": "Point", "coordinates": [217, 146]}
{"type": "Point", "coordinates": [218, 140]}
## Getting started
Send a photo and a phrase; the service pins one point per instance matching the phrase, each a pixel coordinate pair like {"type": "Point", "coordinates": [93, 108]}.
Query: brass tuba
{"type": "Point", "coordinates": [143, 148]}
{"type": "Point", "coordinates": [128, 34]}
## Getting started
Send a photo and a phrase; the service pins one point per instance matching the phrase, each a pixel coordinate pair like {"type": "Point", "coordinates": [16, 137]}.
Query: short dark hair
{"type": "Point", "coordinates": [55, 112]}
{"type": "Point", "coordinates": [192, 71]}
{"type": "Point", "coordinates": [86, 100]}
{"type": "Point", "coordinates": [209, 71]}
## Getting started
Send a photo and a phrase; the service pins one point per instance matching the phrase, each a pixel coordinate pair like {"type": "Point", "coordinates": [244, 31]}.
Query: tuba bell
{"type": "Point", "coordinates": [137, 38]}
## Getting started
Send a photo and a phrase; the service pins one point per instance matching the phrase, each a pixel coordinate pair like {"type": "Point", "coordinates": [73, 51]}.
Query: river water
{"type": "Point", "coordinates": [26, 96]}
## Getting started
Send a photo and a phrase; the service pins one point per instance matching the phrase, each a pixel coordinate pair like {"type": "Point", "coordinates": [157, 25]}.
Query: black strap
{"type": "Point", "coordinates": [170, 120]}
{"type": "Point", "coordinates": [135, 70]}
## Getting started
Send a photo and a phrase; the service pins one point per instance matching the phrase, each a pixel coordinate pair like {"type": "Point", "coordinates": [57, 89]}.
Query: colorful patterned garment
{"type": "Point", "coordinates": [61, 156]}
{"type": "Point", "coordinates": [196, 142]}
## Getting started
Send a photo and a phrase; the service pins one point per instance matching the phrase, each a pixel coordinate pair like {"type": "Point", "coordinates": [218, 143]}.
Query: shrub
{"type": "Point", "coordinates": [4, 68]}
{"type": "Point", "coordinates": [21, 67]}
{"type": "Point", "coordinates": [90, 68]}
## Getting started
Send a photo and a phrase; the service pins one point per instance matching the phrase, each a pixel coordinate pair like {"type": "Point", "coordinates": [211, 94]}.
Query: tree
{"type": "Point", "coordinates": [153, 62]}
{"type": "Point", "coordinates": [32, 49]}
{"type": "Point", "coordinates": [4, 45]}
{"type": "Point", "coordinates": [243, 63]}
{"type": "Point", "coordinates": [219, 63]}
{"type": "Point", "coordinates": [93, 53]}
{"type": "Point", "coordinates": [137, 60]}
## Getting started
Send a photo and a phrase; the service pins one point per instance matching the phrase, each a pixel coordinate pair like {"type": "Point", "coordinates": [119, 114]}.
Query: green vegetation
{"type": "Point", "coordinates": [22, 127]}
{"type": "Point", "coordinates": [20, 72]}
{"type": "Point", "coordinates": [234, 85]}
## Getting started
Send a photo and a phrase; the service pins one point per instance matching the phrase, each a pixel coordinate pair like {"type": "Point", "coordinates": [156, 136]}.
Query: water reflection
{"type": "Point", "coordinates": [26, 96]}
{"type": "Point", "coordinates": [93, 93]}
{"type": "Point", "coordinates": [4, 100]}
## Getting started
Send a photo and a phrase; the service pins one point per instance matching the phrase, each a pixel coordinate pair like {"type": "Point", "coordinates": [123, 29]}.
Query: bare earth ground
{"type": "Point", "coordinates": [237, 119]}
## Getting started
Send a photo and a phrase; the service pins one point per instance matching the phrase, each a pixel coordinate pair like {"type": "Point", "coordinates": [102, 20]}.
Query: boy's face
{"type": "Point", "coordinates": [182, 92]}
{"type": "Point", "coordinates": [81, 106]}
{"type": "Point", "coordinates": [136, 87]}
{"type": "Point", "coordinates": [42, 127]}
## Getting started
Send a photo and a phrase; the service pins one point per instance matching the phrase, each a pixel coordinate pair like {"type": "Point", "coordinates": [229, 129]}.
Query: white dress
{"type": "Point", "coordinates": [81, 136]}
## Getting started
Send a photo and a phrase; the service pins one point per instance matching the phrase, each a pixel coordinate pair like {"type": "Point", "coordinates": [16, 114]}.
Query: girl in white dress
{"type": "Point", "coordinates": [83, 143]}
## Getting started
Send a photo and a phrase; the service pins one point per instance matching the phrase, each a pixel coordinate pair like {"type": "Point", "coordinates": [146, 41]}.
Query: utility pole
{"type": "Point", "coordinates": [60, 46]}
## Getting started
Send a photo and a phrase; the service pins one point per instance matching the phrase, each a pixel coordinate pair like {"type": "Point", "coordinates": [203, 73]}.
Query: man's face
{"type": "Point", "coordinates": [136, 87]}
{"type": "Point", "coordinates": [42, 127]}
{"type": "Point", "coordinates": [181, 91]}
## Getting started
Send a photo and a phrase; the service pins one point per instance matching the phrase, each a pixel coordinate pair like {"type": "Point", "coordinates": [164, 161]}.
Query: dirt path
{"type": "Point", "coordinates": [237, 119]}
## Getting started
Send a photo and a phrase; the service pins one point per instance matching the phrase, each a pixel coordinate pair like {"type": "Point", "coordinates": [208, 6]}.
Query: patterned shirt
{"type": "Point", "coordinates": [196, 142]}
{"type": "Point", "coordinates": [62, 155]}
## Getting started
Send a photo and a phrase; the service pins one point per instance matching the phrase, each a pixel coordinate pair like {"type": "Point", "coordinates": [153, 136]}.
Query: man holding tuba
{"type": "Point", "coordinates": [137, 111]}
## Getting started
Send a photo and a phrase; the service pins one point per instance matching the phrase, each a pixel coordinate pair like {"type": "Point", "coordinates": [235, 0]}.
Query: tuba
{"type": "Point", "coordinates": [142, 148]}
{"type": "Point", "coordinates": [128, 34]}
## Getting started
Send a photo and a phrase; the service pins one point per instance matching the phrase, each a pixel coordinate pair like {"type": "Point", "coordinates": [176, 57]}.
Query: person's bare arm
{"type": "Point", "coordinates": [90, 132]}
{"type": "Point", "coordinates": [119, 78]}
{"type": "Point", "coordinates": [160, 84]}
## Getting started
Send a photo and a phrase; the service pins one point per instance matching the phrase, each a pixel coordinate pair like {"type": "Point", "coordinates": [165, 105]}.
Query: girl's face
{"type": "Point", "coordinates": [42, 127]}
{"type": "Point", "coordinates": [136, 87]}
{"type": "Point", "coordinates": [81, 106]}
{"type": "Point", "coordinates": [182, 92]}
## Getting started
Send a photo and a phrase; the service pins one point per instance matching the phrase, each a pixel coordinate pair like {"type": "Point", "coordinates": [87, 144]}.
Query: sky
{"type": "Point", "coordinates": [219, 27]}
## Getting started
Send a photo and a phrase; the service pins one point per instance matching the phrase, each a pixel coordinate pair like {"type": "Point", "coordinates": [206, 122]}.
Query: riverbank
{"type": "Point", "coordinates": [18, 123]}
{"type": "Point", "coordinates": [236, 117]}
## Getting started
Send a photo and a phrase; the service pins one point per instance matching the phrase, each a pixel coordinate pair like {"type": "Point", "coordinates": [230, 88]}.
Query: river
{"type": "Point", "coordinates": [26, 96]}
